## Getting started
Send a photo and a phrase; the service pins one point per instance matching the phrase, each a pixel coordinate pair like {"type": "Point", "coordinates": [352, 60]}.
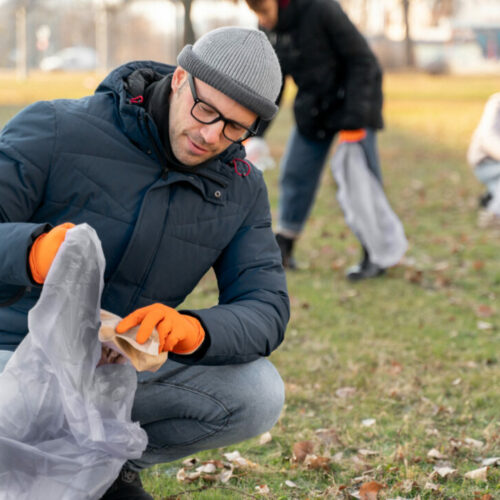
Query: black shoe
{"type": "Point", "coordinates": [484, 199]}
{"type": "Point", "coordinates": [364, 270]}
{"type": "Point", "coordinates": [127, 486]}
{"type": "Point", "coordinates": [286, 247]}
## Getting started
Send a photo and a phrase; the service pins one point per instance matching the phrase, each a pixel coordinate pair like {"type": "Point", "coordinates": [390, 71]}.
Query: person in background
{"type": "Point", "coordinates": [484, 156]}
{"type": "Point", "coordinates": [153, 161]}
{"type": "Point", "coordinates": [339, 90]}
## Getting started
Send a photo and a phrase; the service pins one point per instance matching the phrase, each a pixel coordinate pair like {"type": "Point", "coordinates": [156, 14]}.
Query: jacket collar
{"type": "Point", "coordinates": [151, 80]}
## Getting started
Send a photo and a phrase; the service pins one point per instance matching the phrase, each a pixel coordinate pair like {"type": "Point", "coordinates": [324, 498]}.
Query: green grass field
{"type": "Point", "coordinates": [418, 348]}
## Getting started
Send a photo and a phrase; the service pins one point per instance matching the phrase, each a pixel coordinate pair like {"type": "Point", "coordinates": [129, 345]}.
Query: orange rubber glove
{"type": "Point", "coordinates": [178, 332]}
{"type": "Point", "coordinates": [44, 250]}
{"type": "Point", "coordinates": [352, 135]}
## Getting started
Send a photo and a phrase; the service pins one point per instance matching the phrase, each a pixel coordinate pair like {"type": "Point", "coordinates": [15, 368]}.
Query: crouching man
{"type": "Point", "coordinates": [153, 161]}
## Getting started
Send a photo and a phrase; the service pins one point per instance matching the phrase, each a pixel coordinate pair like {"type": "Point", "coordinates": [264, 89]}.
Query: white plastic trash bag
{"type": "Point", "coordinates": [65, 427]}
{"type": "Point", "coordinates": [366, 209]}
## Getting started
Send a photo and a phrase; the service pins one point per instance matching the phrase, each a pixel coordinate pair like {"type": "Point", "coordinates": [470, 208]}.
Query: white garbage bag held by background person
{"type": "Point", "coordinates": [258, 153]}
{"type": "Point", "coordinates": [366, 209]}
{"type": "Point", "coordinates": [65, 427]}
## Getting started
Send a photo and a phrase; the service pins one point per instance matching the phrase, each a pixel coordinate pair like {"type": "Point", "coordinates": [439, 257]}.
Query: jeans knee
{"type": "Point", "coordinates": [260, 400]}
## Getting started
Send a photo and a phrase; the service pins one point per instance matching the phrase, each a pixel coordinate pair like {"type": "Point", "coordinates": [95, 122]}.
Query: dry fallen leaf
{"type": "Point", "coordinates": [486, 496]}
{"type": "Point", "coordinates": [442, 281]}
{"type": "Point", "coordinates": [471, 364]}
{"type": "Point", "coordinates": [359, 464]}
{"type": "Point", "coordinates": [444, 471]}
{"type": "Point", "coordinates": [190, 462]}
{"type": "Point", "coordinates": [345, 392]}
{"type": "Point", "coordinates": [338, 263]}
{"type": "Point", "coordinates": [441, 266]}
{"type": "Point", "coordinates": [474, 443]}
{"type": "Point", "coordinates": [369, 491]}
{"type": "Point", "coordinates": [225, 475]}
{"type": "Point", "coordinates": [265, 438]}
{"type": "Point", "coordinates": [408, 485]}
{"type": "Point", "coordinates": [478, 265]}
{"type": "Point", "coordinates": [315, 463]}
{"type": "Point", "coordinates": [348, 294]}
{"type": "Point", "coordinates": [329, 437]}
{"type": "Point", "coordinates": [414, 276]}
{"type": "Point", "coordinates": [211, 478]}
{"type": "Point", "coordinates": [396, 368]}
{"type": "Point", "coordinates": [478, 474]}
{"type": "Point", "coordinates": [435, 454]}
{"type": "Point", "coordinates": [301, 450]}
{"type": "Point", "coordinates": [290, 484]}
{"type": "Point", "coordinates": [187, 477]}
{"type": "Point", "coordinates": [262, 489]}
{"type": "Point", "coordinates": [455, 445]}
{"type": "Point", "coordinates": [367, 453]}
{"type": "Point", "coordinates": [431, 486]}
{"type": "Point", "coordinates": [235, 458]}
{"type": "Point", "coordinates": [208, 468]}
{"type": "Point", "coordinates": [491, 461]}
{"type": "Point", "coordinates": [484, 311]}
{"type": "Point", "coordinates": [484, 325]}
{"type": "Point", "coordinates": [232, 455]}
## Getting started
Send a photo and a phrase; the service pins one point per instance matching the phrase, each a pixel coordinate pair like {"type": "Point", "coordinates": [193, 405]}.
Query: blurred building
{"type": "Point", "coordinates": [445, 35]}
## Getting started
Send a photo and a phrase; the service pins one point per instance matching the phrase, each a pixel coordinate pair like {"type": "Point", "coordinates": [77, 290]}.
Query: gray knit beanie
{"type": "Point", "coordinates": [239, 62]}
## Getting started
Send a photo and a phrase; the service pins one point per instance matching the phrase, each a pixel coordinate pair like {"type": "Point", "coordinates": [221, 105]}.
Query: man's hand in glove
{"type": "Point", "coordinates": [352, 135]}
{"type": "Point", "coordinates": [44, 250]}
{"type": "Point", "coordinates": [178, 333]}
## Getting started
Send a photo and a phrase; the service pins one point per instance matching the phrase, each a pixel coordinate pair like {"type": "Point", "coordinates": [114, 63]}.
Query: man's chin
{"type": "Point", "coordinates": [191, 160]}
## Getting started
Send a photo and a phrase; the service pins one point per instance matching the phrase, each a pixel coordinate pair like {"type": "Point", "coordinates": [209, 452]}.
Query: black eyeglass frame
{"type": "Point", "coordinates": [249, 132]}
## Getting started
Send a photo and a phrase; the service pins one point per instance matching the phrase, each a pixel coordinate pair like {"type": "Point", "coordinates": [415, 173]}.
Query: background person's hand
{"type": "Point", "coordinates": [178, 332]}
{"type": "Point", "coordinates": [44, 250]}
{"type": "Point", "coordinates": [352, 135]}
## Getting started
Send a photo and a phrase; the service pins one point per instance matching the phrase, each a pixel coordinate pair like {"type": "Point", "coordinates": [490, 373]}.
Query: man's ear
{"type": "Point", "coordinates": [178, 78]}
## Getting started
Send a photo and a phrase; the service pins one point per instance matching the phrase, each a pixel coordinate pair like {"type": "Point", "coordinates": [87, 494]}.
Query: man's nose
{"type": "Point", "coordinates": [211, 133]}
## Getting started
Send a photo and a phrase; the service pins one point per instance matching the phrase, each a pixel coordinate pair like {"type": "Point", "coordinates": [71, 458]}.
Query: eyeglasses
{"type": "Point", "coordinates": [205, 113]}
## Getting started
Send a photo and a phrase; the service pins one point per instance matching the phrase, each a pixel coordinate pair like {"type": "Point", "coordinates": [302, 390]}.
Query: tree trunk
{"type": "Point", "coordinates": [21, 44]}
{"type": "Point", "coordinates": [410, 59]}
{"type": "Point", "coordinates": [189, 36]}
{"type": "Point", "coordinates": [102, 41]}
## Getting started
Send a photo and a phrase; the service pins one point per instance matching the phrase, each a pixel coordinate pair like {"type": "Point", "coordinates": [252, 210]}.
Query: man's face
{"type": "Point", "coordinates": [267, 13]}
{"type": "Point", "coordinates": [193, 142]}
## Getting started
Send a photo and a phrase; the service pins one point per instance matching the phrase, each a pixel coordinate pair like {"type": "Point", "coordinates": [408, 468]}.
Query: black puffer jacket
{"type": "Point", "coordinates": [338, 77]}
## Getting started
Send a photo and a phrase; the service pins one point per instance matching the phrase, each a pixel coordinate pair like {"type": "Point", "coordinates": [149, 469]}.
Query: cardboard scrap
{"type": "Point", "coordinates": [144, 357]}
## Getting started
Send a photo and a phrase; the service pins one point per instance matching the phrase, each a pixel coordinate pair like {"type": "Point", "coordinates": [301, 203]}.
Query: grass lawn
{"type": "Point", "coordinates": [378, 373]}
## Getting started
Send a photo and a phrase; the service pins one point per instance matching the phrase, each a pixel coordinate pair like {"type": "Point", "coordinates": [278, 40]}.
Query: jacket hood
{"type": "Point", "coordinates": [116, 80]}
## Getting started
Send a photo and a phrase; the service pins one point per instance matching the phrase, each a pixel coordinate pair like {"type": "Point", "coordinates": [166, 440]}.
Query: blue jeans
{"type": "Point", "coordinates": [185, 409]}
{"type": "Point", "coordinates": [301, 169]}
{"type": "Point", "coordinates": [488, 172]}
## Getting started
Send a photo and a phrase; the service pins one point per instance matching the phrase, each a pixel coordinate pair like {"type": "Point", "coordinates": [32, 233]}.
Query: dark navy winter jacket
{"type": "Point", "coordinates": [95, 160]}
